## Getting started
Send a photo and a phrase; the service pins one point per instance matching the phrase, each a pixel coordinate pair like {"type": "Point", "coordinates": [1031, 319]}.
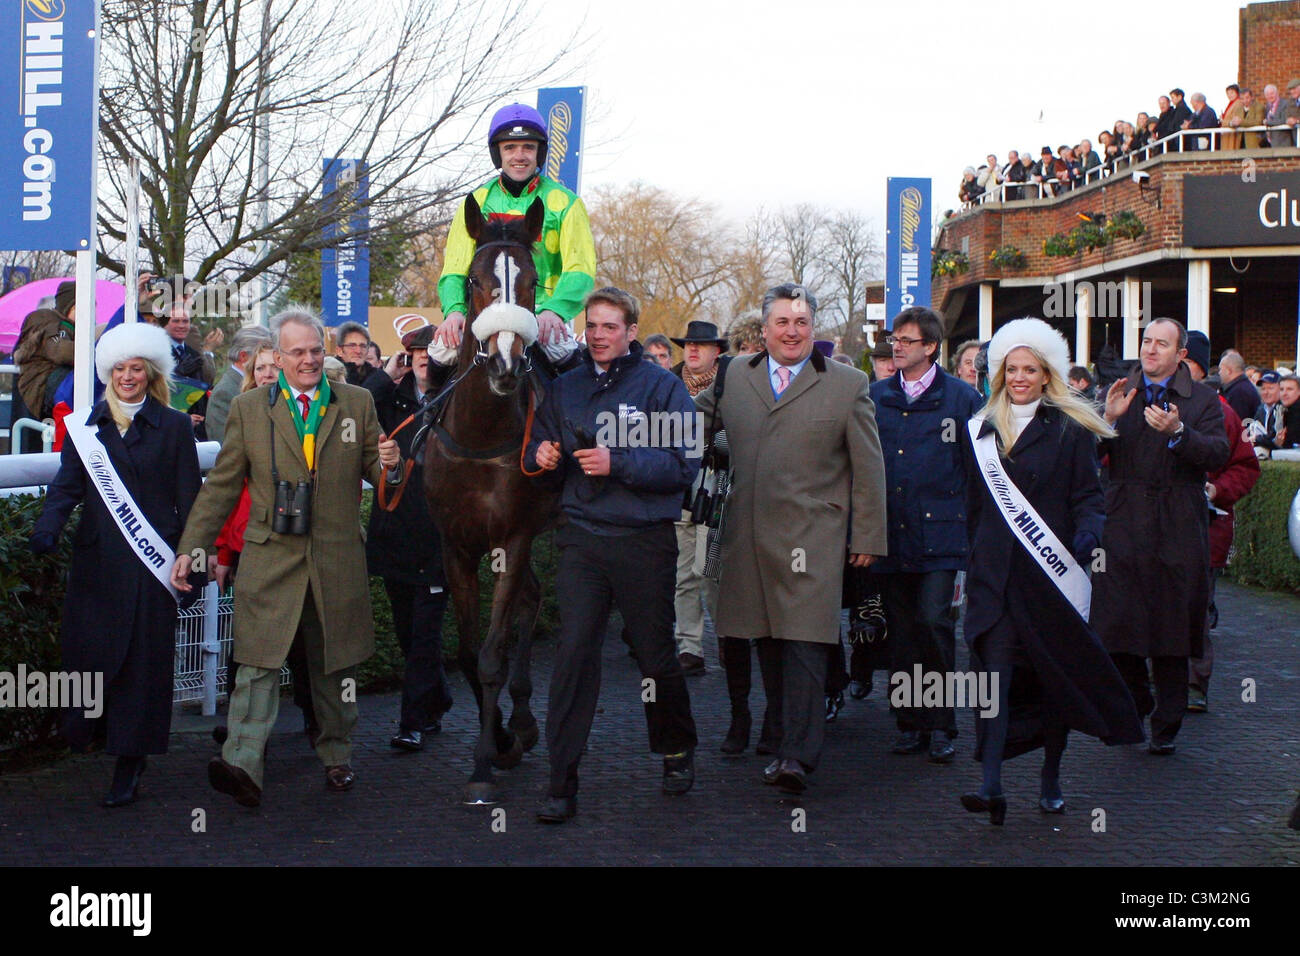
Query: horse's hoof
{"type": "Point", "coordinates": [511, 757]}
{"type": "Point", "coordinates": [479, 794]}
{"type": "Point", "coordinates": [528, 735]}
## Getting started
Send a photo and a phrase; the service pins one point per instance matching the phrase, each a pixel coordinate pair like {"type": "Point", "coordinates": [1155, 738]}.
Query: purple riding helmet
{"type": "Point", "coordinates": [517, 121]}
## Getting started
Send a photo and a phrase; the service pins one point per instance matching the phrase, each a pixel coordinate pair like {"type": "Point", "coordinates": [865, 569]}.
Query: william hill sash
{"type": "Point", "coordinates": [146, 543]}
{"type": "Point", "coordinates": [1027, 526]}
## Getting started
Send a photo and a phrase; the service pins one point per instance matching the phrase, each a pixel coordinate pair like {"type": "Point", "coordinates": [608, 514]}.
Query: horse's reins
{"type": "Point", "coordinates": [427, 404]}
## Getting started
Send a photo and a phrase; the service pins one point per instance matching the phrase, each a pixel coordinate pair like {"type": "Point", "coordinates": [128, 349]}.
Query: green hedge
{"type": "Point", "coordinates": [31, 608]}
{"type": "Point", "coordinates": [1263, 555]}
{"type": "Point", "coordinates": [31, 604]}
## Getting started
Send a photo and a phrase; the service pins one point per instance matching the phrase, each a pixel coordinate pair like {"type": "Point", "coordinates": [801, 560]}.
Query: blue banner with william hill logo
{"type": "Point", "coordinates": [47, 123]}
{"type": "Point", "coordinates": [907, 246]}
{"type": "Point", "coordinates": [561, 107]}
{"type": "Point", "coordinates": [345, 261]}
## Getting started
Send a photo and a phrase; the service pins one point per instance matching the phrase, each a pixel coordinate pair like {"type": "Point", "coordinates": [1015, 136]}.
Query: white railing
{"type": "Point", "coordinates": [1210, 140]}
{"type": "Point", "coordinates": [26, 473]}
{"type": "Point", "coordinates": [205, 640]}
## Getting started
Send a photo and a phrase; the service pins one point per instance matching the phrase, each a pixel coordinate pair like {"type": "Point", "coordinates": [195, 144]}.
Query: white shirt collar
{"type": "Point", "coordinates": [296, 392]}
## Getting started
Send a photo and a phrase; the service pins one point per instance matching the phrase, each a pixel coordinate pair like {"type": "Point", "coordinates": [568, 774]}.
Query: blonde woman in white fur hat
{"type": "Point", "coordinates": [1037, 438]}
{"type": "Point", "coordinates": [119, 619]}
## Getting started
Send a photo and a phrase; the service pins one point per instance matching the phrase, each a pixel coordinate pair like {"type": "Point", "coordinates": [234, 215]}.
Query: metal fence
{"type": "Point", "coordinates": [204, 640]}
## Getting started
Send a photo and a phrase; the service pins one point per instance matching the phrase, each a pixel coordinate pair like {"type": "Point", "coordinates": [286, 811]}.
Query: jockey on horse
{"type": "Point", "coordinates": [565, 256]}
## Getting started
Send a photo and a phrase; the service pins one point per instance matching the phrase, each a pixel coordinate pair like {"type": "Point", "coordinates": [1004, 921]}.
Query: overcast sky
{"type": "Point", "coordinates": [765, 103]}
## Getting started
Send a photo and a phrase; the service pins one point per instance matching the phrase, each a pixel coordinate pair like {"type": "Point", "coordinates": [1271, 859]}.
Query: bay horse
{"type": "Point", "coordinates": [480, 499]}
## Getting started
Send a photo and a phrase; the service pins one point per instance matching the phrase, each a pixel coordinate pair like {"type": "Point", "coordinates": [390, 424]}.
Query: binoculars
{"type": "Point", "coordinates": [292, 508]}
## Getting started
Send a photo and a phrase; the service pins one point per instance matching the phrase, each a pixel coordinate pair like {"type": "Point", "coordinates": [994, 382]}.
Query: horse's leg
{"type": "Point", "coordinates": [462, 582]}
{"type": "Point", "coordinates": [493, 657]}
{"type": "Point", "coordinates": [522, 721]}
{"type": "Point", "coordinates": [462, 579]}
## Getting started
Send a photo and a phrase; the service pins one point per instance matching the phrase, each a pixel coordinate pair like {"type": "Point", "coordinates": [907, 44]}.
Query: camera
{"type": "Point", "coordinates": [292, 508]}
{"type": "Point", "coordinates": [702, 507]}
{"type": "Point", "coordinates": [1140, 176]}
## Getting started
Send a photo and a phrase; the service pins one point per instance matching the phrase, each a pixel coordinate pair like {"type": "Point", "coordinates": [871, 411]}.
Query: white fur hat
{"type": "Point", "coordinates": [133, 340]}
{"type": "Point", "coordinates": [1037, 335]}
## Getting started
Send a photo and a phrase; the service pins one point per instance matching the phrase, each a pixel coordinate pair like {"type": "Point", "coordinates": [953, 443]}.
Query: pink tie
{"type": "Point", "coordinates": [782, 379]}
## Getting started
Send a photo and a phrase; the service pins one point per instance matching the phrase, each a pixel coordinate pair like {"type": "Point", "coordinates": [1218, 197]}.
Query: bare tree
{"type": "Point", "coordinates": [672, 253]}
{"type": "Point", "coordinates": [755, 265]}
{"type": "Point", "coordinates": [51, 264]}
{"type": "Point", "coordinates": [850, 259]}
{"type": "Point", "coordinates": [801, 234]}
{"type": "Point", "coordinates": [192, 87]}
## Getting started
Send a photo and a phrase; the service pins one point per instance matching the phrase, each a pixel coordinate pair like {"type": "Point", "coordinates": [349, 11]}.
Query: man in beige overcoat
{"type": "Point", "coordinates": [808, 487]}
{"type": "Point", "coordinates": [307, 579]}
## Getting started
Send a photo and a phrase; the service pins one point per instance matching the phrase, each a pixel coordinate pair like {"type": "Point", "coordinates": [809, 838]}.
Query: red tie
{"type": "Point", "coordinates": [305, 402]}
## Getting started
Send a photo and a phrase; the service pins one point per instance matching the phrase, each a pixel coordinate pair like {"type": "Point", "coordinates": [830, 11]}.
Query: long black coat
{"type": "Point", "coordinates": [402, 544]}
{"type": "Point", "coordinates": [117, 618]}
{"type": "Point", "coordinates": [1054, 463]}
{"type": "Point", "coordinates": [1152, 598]}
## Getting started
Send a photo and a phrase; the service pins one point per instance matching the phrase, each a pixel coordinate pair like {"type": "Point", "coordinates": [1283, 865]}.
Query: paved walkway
{"type": "Point", "coordinates": [1221, 800]}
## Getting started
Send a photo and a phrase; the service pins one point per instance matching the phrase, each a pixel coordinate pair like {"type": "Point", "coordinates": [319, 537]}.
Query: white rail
{"type": "Point", "coordinates": [1183, 140]}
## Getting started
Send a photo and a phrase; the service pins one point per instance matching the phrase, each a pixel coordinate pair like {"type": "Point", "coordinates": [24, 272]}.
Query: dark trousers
{"type": "Point", "coordinates": [794, 679]}
{"type": "Point", "coordinates": [417, 619]}
{"type": "Point", "coordinates": [1170, 702]}
{"type": "Point", "coordinates": [921, 631]}
{"type": "Point", "coordinates": [636, 573]}
{"type": "Point", "coordinates": [1199, 669]}
{"type": "Point", "coordinates": [997, 654]}
{"type": "Point", "coordinates": [297, 661]}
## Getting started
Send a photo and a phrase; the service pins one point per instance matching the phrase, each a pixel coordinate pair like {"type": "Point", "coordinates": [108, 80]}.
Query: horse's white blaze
{"type": "Point", "coordinates": [505, 344]}
{"type": "Point", "coordinates": [505, 271]}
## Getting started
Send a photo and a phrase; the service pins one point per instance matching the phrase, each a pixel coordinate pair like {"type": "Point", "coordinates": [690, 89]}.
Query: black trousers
{"type": "Point", "coordinates": [921, 631]}
{"type": "Point", "coordinates": [636, 573]}
{"type": "Point", "coordinates": [1170, 702]}
{"type": "Point", "coordinates": [417, 619]}
{"type": "Point", "coordinates": [794, 679]}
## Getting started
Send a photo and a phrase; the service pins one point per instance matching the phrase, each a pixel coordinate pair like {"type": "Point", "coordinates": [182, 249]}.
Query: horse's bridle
{"type": "Point", "coordinates": [481, 355]}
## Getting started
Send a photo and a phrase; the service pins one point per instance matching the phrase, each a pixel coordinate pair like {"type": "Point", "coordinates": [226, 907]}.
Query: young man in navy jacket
{"type": "Point", "coordinates": [614, 432]}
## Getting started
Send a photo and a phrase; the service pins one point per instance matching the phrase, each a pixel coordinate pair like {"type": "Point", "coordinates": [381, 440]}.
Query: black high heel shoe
{"type": "Point", "coordinates": [996, 807]}
{"type": "Point", "coordinates": [1051, 804]}
{"type": "Point", "coordinates": [737, 738]}
{"type": "Point", "coordinates": [126, 781]}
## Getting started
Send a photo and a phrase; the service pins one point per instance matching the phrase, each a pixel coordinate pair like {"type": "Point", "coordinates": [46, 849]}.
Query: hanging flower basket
{"type": "Point", "coordinates": [945, 263]}
{"type": "Point", "coordinates": [1007, 258]}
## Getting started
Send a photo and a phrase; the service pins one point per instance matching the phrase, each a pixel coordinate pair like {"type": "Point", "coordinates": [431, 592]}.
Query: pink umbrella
{"type": "Point", "coordinates": [15, 306]}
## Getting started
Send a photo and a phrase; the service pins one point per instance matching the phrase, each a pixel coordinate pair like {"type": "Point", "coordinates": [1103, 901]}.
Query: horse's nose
{"type": "Point", "coordinates": [505, 344]}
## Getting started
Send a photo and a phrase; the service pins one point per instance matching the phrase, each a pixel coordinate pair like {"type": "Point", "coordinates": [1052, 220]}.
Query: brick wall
{"type": "Point", "coordinates": [1268, 337]}
{"type": "Point", "coordinates": [1268, 40]}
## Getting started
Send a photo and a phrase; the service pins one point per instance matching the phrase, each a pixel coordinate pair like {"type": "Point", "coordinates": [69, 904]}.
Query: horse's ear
{"type": "Point", "coordinates": [474, 221]}
{"type": "Point", "coordinates": [534, 219]}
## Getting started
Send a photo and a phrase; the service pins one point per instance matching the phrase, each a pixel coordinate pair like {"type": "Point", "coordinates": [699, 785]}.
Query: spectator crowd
{"type": "Point", "coordinates": [1026, 175]}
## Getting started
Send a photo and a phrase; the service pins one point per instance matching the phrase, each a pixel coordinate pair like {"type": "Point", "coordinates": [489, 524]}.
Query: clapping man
{"type": "Point", "coordinates": [1150, 598]}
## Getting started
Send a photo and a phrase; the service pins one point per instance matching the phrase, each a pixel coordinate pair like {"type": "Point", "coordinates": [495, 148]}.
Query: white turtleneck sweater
{"type": "Point", "coordinates": [130, 409]}
{"type": "Point", "coordinates": [1022, 414]}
